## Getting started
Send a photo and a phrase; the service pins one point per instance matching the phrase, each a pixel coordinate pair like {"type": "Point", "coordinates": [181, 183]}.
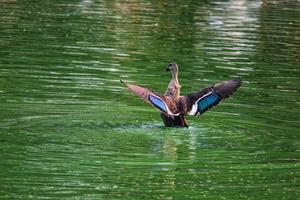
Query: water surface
{"type": "Point", "coordinates": [70, 130]}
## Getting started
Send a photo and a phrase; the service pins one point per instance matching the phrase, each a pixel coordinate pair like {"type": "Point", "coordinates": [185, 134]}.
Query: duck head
{"type": "Point", "coordinates": [172, 67]}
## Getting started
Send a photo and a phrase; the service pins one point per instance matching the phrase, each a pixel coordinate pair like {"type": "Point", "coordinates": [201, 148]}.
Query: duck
{"type": "Point", "coordinates": [174, 108]}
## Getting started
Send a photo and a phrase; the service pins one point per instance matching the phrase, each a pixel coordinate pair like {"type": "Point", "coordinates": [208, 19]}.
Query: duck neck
{"type": "Point", "coordinates": [175, 77]}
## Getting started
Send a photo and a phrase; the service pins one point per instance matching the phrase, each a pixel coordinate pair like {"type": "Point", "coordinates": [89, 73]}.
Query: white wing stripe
{"type": "Point", "coordinates": [194, 110]}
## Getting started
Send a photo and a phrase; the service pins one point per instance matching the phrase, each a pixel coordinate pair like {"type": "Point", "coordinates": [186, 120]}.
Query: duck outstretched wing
{"type": "Point", "coordinates": [154, 98]}
{"type": "Point", "coordinates": [201, 101]}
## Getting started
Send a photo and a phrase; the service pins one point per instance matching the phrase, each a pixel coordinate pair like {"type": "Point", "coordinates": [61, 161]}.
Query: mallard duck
{"type": "Point", "coordinates": [174, 108]}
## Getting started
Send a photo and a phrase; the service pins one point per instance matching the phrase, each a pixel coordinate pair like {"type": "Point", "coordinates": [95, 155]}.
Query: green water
{"type": "Point", "coordinates": [69, 130]}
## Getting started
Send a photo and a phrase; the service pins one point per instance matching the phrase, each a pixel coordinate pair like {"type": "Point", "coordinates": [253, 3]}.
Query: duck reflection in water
{"type": "Point", "coordinates": [174, 108]}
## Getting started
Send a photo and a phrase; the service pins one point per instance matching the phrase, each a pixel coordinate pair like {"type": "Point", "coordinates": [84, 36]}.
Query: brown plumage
{"type": "Point", "coordinates": [173, 107]}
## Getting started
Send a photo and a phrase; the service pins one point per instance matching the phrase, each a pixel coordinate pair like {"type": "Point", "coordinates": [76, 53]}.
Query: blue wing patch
{"type": "Point", "coordinates": [158, 102]}
{"type": "Point", "coordinates": [208, 101]}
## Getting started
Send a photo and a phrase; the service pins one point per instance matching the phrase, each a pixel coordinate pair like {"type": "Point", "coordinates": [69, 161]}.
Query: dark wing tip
{"type": "Point", "coordinates": [238, 81]}
{"type": "Point", "coordinates": [122, 81]}
{"type": "Point", "coordinates": [235, 83]}
{"type": "Point", "coordinates": [226, 88]}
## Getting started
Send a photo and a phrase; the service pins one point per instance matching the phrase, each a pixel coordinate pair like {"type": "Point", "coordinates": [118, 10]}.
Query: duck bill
{"type": "Point", "coordinates": [166, 68]}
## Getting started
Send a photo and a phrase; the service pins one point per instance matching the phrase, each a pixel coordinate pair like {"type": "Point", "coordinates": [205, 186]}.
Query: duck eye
{"type": "Point", "coordinates": [170, 65]}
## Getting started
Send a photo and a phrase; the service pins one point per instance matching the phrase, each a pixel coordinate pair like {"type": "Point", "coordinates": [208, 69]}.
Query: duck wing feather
{"type": "Point", "coordinates": [154, 98]}
{"type": "Point", "coordinates": [203, 100]}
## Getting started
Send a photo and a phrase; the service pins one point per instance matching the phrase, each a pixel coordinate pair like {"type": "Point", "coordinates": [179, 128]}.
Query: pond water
{"type": "Point", "coordinates": [70, 130]}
